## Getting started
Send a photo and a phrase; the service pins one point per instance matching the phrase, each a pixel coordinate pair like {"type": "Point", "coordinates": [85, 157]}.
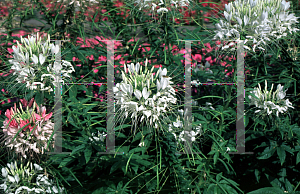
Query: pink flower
{"type": "Point", "coordinates": [13, 123]}
{"type": "Point", "coordinates": [25, 103]}
{"type": "Point", "coordinates": [10, 50]}
{"type": "Point", "coordinates": [11, 131]}
{"type": "Point", "coordinates": [46, 117]}
{"type": "Point", "coordinates": [197, 57]}
{"type": "Point", "coordinates": [21, 33]}
{"type": "Point", "coordinates": [91, 57]}
{"type": "Point", "coordinates": [208, 58]}
{"type": "Point", "coordinates": [23, 123]}
{"type": "Point", "coordinates": [7, 114]}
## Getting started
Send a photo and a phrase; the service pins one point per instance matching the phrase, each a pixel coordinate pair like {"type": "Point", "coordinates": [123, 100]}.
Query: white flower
{"type": "Point", "coordinates": [142, 144]}
{"type": "Point", "coordinates": [29, 65]}
{"type": "Point", "coordinates": [164, 6]}
{"type": "Point", "coordinates": [144, 103]}
{"type": "Point", "coordinates": [138, 94]}
{"type": "Point", "coordinates": [24, 174]}
{"type": "Point", "coordinates": [285, 5]}
{"type": "Point", "coordinates": [37, 167]}
{"type": "Point", "coordinates": [145, 93]}
{"type": "Point", "coordinates": [100, 137]}
{"type": "Point", "coordinates": [19, 190]}
{"type": "Point", "coordinates": [163, 10]}
{"type": "Point", "coordinates": [269, 101]}
{"type": "Point", "coordinates": [262, 20]}
{"type": "Point", "coordinates": [54, 49]}
{"type": "Point", "coordinates": [11, 178]}
{"type": "Point", "coordinates": [178, 124]}
{"type": "Point", "coordinates": [180, 112]}
{"type": "Point", "coordinates": [190, 134]}
{"type": "Point", "coordinates": [4, 172]}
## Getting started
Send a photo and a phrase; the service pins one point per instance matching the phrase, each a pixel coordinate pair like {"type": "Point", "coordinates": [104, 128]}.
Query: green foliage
{"type": "Point", "coordinates": [157, 167]}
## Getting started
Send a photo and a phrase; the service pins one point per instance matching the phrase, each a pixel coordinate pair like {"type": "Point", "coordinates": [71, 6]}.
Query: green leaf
{"type": "Point", "coordinates": [216, 156]}
{"type": "Point", "coordinates": [267, 190]}
{"type": "Point", "coordinates": [257, 175]}
{"type": "Point", "coordinates": [288, 149]}
{"type": "Point", "coordinates": [66, 161]}
{"type": "Point", "coordinates": [281, 154]}
{"type": "Point", "coordinates": [121, 127]}
{"type": "Point", "coordinates": [89, 107]}
{"type": "Point", "coordinates": [73, 91]}
{"type": "Point", "coordinates": [88, 154]}
{"type": "Point", "coordinates": [219, 177]}
{"type": "Point", "coordinates": [267, 153]}
{"type": "Point", "coordinates": [78, 148]}
{"type": "Point", "coordinates": [139, 160]}
{"type": "Point", "coordinates": [114, 167]}
{"type": "Point", "coordinates": [39, 98]}
{"type": "Point", "coordinates": [224, 163]}
{"type": "Point", "coordinates": [288, 186]}
{"type": "Point", "coordinates": [298, 158]}
{"type": "Point", "coordinates": [198, 116]}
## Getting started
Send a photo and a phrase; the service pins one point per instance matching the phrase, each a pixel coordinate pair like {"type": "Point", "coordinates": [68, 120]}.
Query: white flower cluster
{"type": "Point", "coordinates": [77, 4]}
{"type": "Point", "coordinates": [31, 58]}
{"type": "Point", "coordinates": [141, 94]}
{"type": "Point", "coordinates": [190, 134]}
{"type": "Point", "coordinates": [100, 137]}
{"type": "Point", "coordinates": [17, 180]}
{"type": "Point", "coordinates": [163, 5]}
{"type": "Point", "coordinates": [256, 21]}
{"type": "Point", "coordinates": [267, 102]}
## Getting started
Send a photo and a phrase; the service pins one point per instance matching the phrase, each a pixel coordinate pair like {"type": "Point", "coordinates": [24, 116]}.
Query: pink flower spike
{"type": "Point", "coordinates": [48, 116]}
{"type": "Point", "coordinates": [44, 113]}
{"type": "Point", "coordinates": [31, 102]}
{"type": "Point", "coordinates": [7, 114]}
{"type": "Point", "coordinates": [24, 102]}
{"type": "Point", "coordinates": [38, 117]}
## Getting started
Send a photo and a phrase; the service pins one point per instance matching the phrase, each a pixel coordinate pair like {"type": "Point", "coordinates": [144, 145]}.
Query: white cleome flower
{"type": "Point", "coordinates": [34, 65]}
{"type": "Point", "coordinates": [142, 96]}
{"type": "Point", "coordinates": [179, 126]}
{"type": "Point", "coordinates": [256, 22]}
{"type": "Point", "coordinates": [19, 180]}
{"type": "Point", "coordinates": [270, 103]}
{"type": "Point", "coordinates": [165, 6]}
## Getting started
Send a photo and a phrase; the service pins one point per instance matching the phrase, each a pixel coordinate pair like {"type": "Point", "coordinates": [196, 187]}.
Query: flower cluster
{"type": "Point", "coordinates": [143, 95]}
{"type": "Point", "coordinates": [190, 134]}
{"type": "Point", "coordinates": [20, 180]}
{"type": "Point", "coordinates": [36, 127]}
{"type": "Point", "coordinates": [256, 21]}
{"type": "Point", "coordinates": [100, 137]}
{"type": "Point", "coordinates": [164, 6]}
{"type": "Point", "coordinates": [30, 60]}
{"type": "Point", "coordinates": [78, 4]}
{"type": "Point", "coordinates": [267, 102]}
